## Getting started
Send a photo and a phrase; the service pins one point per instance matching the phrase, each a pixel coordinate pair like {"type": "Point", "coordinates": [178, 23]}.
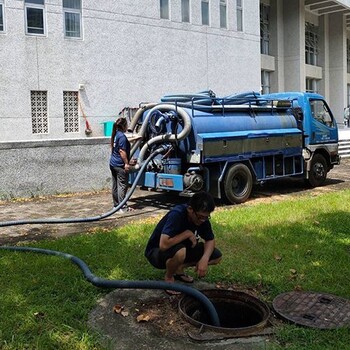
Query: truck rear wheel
{"type": "Point", "coordinates": [318, 171]}
{"type": "Point", "coordinates": [238, 183]}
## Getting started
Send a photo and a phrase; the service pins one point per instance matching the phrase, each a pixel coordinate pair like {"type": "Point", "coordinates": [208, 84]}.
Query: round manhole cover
{"type": "Point", "coordinates": [317, 310]}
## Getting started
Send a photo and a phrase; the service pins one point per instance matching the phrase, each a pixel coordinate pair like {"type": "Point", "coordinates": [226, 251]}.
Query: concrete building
{"type": "Point", "coordinates": [305, 46]}
{"type": "Point", "coordinates": [68, 66]}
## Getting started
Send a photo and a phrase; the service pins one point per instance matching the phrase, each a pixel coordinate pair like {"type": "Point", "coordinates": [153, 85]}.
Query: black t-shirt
{"type": "Point", "coordinates": [175, 222]}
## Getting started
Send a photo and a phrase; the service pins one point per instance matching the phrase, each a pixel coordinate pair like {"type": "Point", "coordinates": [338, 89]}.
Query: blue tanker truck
{"type": "Point", "coordinates": [226, 145]}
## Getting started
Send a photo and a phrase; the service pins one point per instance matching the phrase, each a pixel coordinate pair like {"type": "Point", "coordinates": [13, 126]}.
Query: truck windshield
{"type": "Point", "coordinates": [321, 113]}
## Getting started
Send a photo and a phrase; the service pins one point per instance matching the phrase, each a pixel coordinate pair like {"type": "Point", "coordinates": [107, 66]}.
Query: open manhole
{"type": "Point", "coordinates": [311, 309]}
{"type": "Point", "coordinates": [240, 314]}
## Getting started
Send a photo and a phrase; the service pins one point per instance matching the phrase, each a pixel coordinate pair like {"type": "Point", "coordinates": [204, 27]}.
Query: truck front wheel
{"type": "Point", "coordinates": [238, 183]}
{"type": "Point", "coordinates": [318, 171]}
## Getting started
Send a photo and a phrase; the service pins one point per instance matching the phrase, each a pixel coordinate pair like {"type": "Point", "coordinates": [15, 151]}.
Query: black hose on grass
{"type": "Point", "coordinates": [104, 283]}
{"type": "Point", "coordinates": [100, 282]}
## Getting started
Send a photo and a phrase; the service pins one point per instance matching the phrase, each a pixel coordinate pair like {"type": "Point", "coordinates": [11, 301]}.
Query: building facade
{"type": "Point", "coordinates": [305, 46]}
{"type": "Point", "coordinates": [63, 59]}
{"type": "Point", "coordinates": [68, 66]}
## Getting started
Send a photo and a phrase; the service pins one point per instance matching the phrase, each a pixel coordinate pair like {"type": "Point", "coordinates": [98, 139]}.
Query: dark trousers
{"type": "Point", "coordinates": [119, 184]}
{"type": "Point", "coordinates": [158, 258]}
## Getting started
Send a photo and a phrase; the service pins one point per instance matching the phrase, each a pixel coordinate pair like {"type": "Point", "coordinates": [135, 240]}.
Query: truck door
{"type": "Point", "coordinates": [323, 124]}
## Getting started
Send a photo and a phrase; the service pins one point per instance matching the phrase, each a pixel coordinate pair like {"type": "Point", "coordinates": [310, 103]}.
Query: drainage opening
{"type": "Point", "coordinates": [240, 314]}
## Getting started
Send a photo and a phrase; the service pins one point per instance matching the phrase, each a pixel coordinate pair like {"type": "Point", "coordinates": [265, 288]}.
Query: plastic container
{"type": "Point", "coordinates": [108, 128]}
{"type": "Point", "coordinates": [172, 166]}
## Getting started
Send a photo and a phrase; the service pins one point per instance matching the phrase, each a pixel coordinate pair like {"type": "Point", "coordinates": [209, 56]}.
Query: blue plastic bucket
{"type": "Point", "coordinates": [172, 166]}
{"type": "Point", "coordinates": [107, 128]}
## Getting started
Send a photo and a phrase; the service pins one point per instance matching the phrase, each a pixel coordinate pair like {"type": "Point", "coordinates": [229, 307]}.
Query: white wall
{"type": "Point", "coordinates": [128, 55]}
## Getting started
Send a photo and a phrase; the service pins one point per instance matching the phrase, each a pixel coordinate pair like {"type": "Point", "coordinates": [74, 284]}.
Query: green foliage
{"type": "Point", "coordinates": [298, 244]}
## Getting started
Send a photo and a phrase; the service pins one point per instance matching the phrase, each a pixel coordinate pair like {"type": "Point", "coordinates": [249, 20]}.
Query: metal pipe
{"type": "Point", "coordinates": [160, 138]}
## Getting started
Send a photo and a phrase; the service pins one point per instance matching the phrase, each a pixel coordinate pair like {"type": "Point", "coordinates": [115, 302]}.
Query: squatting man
{"type": "Point", "coordinates": [184, 238]}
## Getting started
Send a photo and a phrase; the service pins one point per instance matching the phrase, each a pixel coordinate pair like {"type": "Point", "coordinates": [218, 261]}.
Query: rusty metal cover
{"type": "Point", "coordinates": [311, 309]}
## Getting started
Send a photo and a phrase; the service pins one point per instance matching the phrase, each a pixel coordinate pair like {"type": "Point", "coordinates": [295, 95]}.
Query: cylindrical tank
{"type": "Point", "coordinates": [239, 123]}
{"type": "Point", "coordinates": [231, 122]}
{"type": "Point", "coordinates": [240, 120]}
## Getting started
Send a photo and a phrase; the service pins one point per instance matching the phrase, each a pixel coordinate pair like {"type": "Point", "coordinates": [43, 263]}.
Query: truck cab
{"type": "Point", "coordinates": [320, 134]}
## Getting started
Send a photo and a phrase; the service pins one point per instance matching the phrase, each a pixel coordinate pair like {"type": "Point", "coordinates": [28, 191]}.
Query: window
{"type": "Point", "coordinates": [72, 18]}
{"type": "Point", "coordinates": [348, 55]}
{"type": "Point", "coordinates": [239, 13]}
{"type": "Point", "coordinates": [39, 112]}
{"type": "Point", "coordinates": [311, 44]}
{"type": "Point", "coordinates": [264, 29]}
{"type": "Point", "coordinates": [164, 9]}
{"type": "Point", "coordinates": [185, 10]}
{"type": "Point", "coordinates": [311, 85]}
{"type": "Point", "coordinates": [71, 111]}
{"type": "Point", "coordinates": [2, 24]}
{"type": "Point", "coordinates": [321, 113]}
{"type": "Point", "coordinates": [265, 82]}
{"type": "Point", "coordinates": [205, 12]}
{"type": "Point", "coordinates": [223, 14]}
{"type": "Point", "coordinates": [35, 16]}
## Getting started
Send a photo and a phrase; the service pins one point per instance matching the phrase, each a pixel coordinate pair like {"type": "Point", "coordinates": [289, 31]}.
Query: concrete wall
{"type": "Point", "coordinates": [37, 168]}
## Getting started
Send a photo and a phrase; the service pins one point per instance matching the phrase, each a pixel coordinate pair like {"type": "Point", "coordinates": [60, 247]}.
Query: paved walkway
{"type": "Point", "coordinates": [79, 205]}
{"type": "Point", "coordinates": [145, 203]}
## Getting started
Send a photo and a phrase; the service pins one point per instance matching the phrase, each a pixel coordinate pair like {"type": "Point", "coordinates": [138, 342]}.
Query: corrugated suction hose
{"type": "Point", "coordinates": [100, 282]}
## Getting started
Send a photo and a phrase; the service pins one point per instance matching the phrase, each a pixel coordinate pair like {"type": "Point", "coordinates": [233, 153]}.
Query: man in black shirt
{"type": "Point", "coordinates": [184, 238]}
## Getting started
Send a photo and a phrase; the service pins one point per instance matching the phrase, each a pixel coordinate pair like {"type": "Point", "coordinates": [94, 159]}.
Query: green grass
{"type": "Point", "coordinates": [272, 248]}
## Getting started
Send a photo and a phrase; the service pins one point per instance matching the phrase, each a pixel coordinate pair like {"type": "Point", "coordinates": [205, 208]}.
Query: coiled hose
{"type": "Point", "coordinates": [206, 101]}
{"type": "Point", "coordinates": [100, 282]}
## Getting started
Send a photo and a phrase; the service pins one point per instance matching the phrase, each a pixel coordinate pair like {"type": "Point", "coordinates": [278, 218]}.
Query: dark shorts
{"type": "Point", "coordinates": [158, 258]}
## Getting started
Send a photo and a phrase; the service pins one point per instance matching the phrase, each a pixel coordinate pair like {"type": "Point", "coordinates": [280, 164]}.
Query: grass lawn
{"type": "Point", "coordinates": [297, 244]}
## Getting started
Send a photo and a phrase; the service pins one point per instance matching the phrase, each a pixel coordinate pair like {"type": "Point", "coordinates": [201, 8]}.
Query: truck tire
{"type": "Point", "coordinates": [238, 183]}
{"type": "Point", "coordinates": [318, 171]}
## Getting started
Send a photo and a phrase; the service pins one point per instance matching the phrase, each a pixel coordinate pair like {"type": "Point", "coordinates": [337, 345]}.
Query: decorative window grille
{"type": "Point", "coordinates": [35, 17]}
{"type": "Point", "coordinates": [205, 12]}
{"type": "Point", "coordinates": [72, 18]}
{"type": "Point", "coordinates": [164, 9]}
{"type": "Point", "coordinates": [185, 10]}
{"type": "Point", "coordinates": [264, 29]}
{"type": "Point", "coordinates": [239, 14]}
{"type": "Point", "coordinates": [311, 44]}
{"type": "Point", "coordinates": [223, 14]}
{"type": "Point", "coordinates": [2, 24]}
{"type": "Point", "coordinates": [39, 112]}
{"type": "Point", "coordinates": [71, 111]}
